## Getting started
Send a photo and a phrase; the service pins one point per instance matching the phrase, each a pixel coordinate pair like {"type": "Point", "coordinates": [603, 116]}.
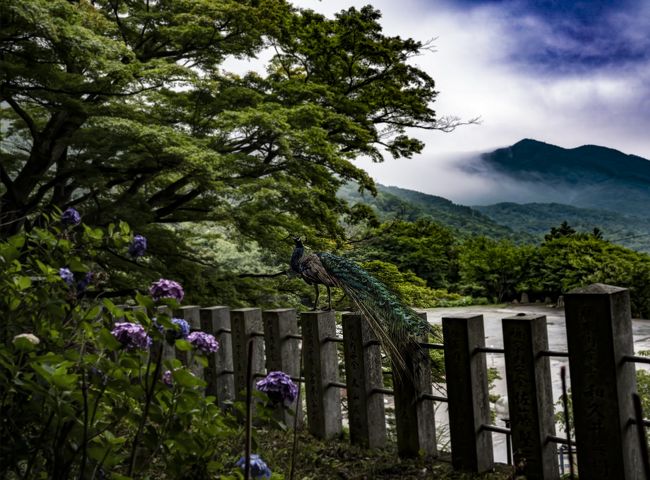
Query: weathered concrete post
{"type": "Point", "coordinates": [530, 395]}
{"type": "Point", "coordinates": [321, 374]}
{"type": "Point", "coordinates": [246, 323]}
{"type": "Point", "coordinates": [219, 372]}
{"type": "Point", "coordinates": [283, 350]}
{"type": "Point", "coordinates": [363, 374]}
{"type": "Point", "coordinates": [599, 334]}
{"type": "Point", "coordinates": [467, 391]}
{"type": "Point", "coordinates": [189, 313]}
{"type": "Point", "coordinates": [414, 415]}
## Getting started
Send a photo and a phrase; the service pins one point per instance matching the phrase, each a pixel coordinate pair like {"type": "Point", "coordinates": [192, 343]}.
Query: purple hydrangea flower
{"type": "Point", "coordinates": [167, 378]}
{"type": "Point", "coordinates": [138, 247]}
{"type": "Point", "coordinates": [183, 328]}
{"type": "Point", "coordinates": [71, 217]}
{"type": "Point", "coordinates": [204, 342]}
{"type": "Point", "coordinates": [279, 387]}
{"type": "Point", "coordinates": [166, 289]}
{"type": "Point", "coordinates": [131, 335]}
{"type": "Point", "coordinates": [259, 468]}
{"type": "Point", "coordinates": [66, 275]}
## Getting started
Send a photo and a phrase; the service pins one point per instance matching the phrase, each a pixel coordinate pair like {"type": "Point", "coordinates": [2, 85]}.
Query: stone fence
{"type": "Point", "coordinates": [610, 437]}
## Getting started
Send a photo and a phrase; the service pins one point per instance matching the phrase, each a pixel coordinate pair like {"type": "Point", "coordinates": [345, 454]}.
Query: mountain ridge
{"type": "Point", "coordinates": [600, 187]}
{"type": "Point", "coordinates": [588, 176]}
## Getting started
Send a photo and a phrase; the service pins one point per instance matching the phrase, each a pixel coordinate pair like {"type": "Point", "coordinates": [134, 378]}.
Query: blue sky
{"type": "Point", "coordinates": [567, 73]}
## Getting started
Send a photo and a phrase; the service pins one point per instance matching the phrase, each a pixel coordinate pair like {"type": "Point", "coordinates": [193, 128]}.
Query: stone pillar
{"type": "Point", "coordinates": [530, 395]}
{"type": "Point", "coordinates": [246, 323]}
{"type": "Point", "coordinates": [467, 391]}
{"type": "Point", "coordinates": [219, 372]}
{"type": "Point", "coordinates": [599, 335]}
{"type": "Point", "coordinates": [363, 374]}
{"type": "Point", "coordinates": [321, 374]}
{"type": "Point", "coordinates": [414, 415]}
{"type": "Point", "coordinates": [283, 351]}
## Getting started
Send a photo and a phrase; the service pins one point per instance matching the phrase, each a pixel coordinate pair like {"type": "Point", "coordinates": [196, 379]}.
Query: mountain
{"type": "Point", "coordinates": [588, 187]}
{"type": "Point", "coordinates": [590, 176]}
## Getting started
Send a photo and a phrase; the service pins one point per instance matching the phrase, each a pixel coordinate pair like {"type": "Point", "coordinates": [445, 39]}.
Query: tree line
{"type": "Point", "coordinates": [500, 270]}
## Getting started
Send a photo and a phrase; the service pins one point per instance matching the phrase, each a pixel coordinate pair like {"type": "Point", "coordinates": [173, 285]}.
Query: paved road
{"type": "Point", "coordinates": [493, 338]}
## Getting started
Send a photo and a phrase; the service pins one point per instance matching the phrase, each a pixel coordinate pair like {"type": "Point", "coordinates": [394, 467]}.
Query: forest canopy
{"type": "Point", "coordinates": [125, 111]}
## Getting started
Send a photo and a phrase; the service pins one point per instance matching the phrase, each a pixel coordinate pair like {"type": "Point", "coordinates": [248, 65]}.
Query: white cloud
{"type": "Point", "coordinates": [476, 75]}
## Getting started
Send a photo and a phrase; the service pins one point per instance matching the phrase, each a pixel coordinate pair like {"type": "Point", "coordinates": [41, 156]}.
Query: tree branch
{"type": "Point", "coordinates": [22, 114]}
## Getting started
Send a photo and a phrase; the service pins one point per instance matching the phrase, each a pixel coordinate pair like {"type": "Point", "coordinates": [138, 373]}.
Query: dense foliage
{"type": "Point", "coordinates": [127, 110]}
{"type": "Point", "coordinates": [424, 255]}
{"type": "Point", "coordinates": [92, 390]}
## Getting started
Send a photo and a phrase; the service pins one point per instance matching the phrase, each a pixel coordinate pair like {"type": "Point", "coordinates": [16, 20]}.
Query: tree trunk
{"type": "Point", "coordinates": [48, 148]}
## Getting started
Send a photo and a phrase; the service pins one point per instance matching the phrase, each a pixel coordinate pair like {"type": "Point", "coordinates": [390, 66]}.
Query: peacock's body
{"type": "Point", "coordinates": [398, 327]}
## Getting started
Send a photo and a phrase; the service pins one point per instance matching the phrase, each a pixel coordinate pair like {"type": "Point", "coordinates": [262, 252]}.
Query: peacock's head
{"type": "Point", "coordinates": [298, 241]}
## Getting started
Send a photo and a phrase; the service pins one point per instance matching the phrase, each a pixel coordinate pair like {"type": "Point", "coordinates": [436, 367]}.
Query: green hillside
{"type": "Point", "coordinates": [538, 218]}
{"type": "Point", "coordinates": [522, 223]}
{"type": "Point", "coordinates": [409, 205]}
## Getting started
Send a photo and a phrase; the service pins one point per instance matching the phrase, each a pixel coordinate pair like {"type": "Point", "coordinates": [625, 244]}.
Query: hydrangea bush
{"type": "Point", "coordinates": [87, 391]}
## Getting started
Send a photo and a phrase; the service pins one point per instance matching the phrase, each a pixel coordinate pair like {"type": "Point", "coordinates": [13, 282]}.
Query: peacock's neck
{"type": "Point", "coordinates": [297, 254]}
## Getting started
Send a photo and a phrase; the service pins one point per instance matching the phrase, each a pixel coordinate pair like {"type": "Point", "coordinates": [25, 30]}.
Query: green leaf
{"type": "Point", "coordinates": [107, 340]}
{"type": "Point", "coordinates": [144, 300]}
{"type": "Point", "coordinates": [183, 345]}
{"type": "Point", "coordinates": [185, 379]}
{"type": "Point", "coordinates": [77, 265]}
{"type": "Point", "coordinates": [22, 282]}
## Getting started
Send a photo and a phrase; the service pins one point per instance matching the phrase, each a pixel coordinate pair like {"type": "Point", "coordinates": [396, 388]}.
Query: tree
{"type": "Point", "coordinates": [564, 230]}
{"type": "Point", "coordinates": [493, 268]}
{"type": "Point", "coordinates": [422, 247]}
{"type": "Point", "coordinates": [122, 109]}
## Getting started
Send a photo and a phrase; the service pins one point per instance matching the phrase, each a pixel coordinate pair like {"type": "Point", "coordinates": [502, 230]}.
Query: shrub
{"type": "Point", "coordinates": [86, 389]}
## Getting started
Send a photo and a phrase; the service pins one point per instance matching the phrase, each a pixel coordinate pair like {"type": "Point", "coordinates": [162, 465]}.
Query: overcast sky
{"type": "Point", "coordinates": [564, 72]}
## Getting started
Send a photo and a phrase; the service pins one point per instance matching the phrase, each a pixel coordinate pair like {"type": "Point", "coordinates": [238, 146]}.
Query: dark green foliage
{"type": "Point", "coordinates": [423, 247]}
{"type": "Point", "coordinates": [75, 403]}
{"type": "Point", "coordinates": [123, 109]}
{"type": "Point", "coordinates": [493, 269]}
{"type": "Point", "coordinates": [571, 261]}
{"type": "Point", "coordinates": [413, 290]}
{"type": "Point", "coordinates": [537, 219]}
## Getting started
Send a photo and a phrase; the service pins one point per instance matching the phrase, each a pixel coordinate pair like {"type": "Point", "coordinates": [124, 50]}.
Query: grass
{"type": "Point", "coordinates": [337, 459]}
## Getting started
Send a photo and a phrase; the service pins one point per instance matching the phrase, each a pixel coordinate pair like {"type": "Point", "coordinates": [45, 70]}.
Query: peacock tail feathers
{"type": "Point", "coordinates": [398, 327]}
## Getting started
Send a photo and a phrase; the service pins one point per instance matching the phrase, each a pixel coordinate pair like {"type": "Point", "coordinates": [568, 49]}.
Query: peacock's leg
{"type": "Point", "coordinates": [329, 297]}
{"type": "Point", "coordinates": [317, 295]}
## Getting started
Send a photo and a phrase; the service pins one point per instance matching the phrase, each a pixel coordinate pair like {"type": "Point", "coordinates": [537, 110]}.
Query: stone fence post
{"type": "Point", "coordinates": [530, 395]}
{"type": "Point", "coordinates": [321, 365]}
{"type": "Point", "coordinates": [414, 414]}
{"type": "Point", "coordinates": [246, 324]}
{"type": "Point", "coordinates": [599, 335]}
{"type": "Point", "coordinates": [363, 376]}
{"type": "Point", "coordinates": [467, 391]}
{"type": "Point", "coordinates": [282, 344]}
{"type": "Point", "coordinates": [219, 372]}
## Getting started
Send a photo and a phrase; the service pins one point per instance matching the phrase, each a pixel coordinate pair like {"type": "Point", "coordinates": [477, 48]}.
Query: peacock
{"type": "Point", "coordinates": [397, 326]}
